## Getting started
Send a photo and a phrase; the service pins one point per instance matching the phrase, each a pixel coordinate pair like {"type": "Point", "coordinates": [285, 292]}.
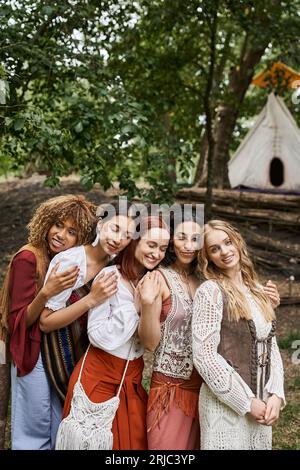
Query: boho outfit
{"type": "Point", "coordinates": [172, 414]}
{"type": "Point", "coordinates": [88, 425]}
{"type": "Point", "coordinates": [44, 363]}
{"type": "Point", "coordinates": [238, 361]}
{"type": "Point", "coordinates": [34, 422]}
{"type": "Point", "coordinates": [63, 348]}
{"type": "Point", "coordinates": [111, 327]}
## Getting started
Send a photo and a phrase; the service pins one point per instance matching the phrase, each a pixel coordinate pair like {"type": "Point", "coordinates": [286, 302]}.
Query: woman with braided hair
{"type": "Point", "coordinates": [234, 346]}
{"type": "Point", "coordinates": [57, 224]}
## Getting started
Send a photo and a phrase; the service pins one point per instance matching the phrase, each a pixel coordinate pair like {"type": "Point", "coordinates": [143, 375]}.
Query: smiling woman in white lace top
{"type": "Point", "coordinates": [234, 347]}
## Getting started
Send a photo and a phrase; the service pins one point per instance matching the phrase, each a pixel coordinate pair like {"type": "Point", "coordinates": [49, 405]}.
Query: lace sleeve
{"type": "Point", "coordinates": [219, 376]}
{"type": "Point", "coordinates": [275, 382]}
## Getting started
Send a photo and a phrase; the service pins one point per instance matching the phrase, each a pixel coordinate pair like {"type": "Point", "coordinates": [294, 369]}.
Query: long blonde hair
{"type": "Point", "coordinates": [238, 307]}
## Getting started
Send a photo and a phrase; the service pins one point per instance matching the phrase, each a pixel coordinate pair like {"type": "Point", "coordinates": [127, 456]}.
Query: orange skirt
{"type": "Point", "coordinates": [100, 379]}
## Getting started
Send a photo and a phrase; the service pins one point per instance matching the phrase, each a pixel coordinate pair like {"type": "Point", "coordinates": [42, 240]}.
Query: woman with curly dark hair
{"type": "Point", "coordinates": [57, 224]}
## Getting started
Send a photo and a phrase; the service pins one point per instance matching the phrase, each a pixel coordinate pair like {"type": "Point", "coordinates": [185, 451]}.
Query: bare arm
{"type": "Point", "coordinates": [150, 292]}
{"type": "Point", "coordinates": [104, 286]}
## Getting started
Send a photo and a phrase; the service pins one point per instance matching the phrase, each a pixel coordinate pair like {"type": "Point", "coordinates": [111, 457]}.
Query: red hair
{"type": "Point", "coordinates": [129, 265]}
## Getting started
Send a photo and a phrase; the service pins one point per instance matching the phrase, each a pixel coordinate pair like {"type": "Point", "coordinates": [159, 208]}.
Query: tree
{"type": "Point", "coordinates": [262, 25]}
{"type": "Point", "coordinates": [126, 91]}
{"type": "Point", "coordinates": [67, 109]}
{"type": "Point", "coordinates": [165, 59]}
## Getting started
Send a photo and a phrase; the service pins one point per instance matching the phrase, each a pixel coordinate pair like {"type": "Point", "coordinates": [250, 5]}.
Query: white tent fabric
{"type": "Point", "coordinates": [275, 135]}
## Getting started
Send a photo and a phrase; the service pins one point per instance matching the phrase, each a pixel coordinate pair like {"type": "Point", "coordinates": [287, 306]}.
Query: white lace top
{"type": "Point", "coordinates": [173, 356]}
{"type": "Point", "coordinates": [225, 397]}
{"type": "Point", "coordinates": [220, 377]}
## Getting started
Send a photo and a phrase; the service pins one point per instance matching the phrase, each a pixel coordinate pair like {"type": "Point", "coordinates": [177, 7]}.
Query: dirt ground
{"type": "Point", "coordinates": [18, 200]}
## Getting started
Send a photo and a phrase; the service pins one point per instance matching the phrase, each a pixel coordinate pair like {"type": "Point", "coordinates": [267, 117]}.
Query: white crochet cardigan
{"type": "Point", "coordinates": [225, 398]}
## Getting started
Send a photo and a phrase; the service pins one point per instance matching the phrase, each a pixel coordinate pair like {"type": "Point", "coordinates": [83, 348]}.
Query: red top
{"type": "Point", "coordinates": [166, 307]}
{"type": "Point", "coordinates": [24, 342]}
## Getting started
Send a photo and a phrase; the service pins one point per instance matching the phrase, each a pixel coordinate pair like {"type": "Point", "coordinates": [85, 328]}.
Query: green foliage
{"type": "Point", "coordinates": [115, 90]}
{"type": "Point", "coordinates": [146, 383]}
{"type": "Point", "coordinates": [287, 341]}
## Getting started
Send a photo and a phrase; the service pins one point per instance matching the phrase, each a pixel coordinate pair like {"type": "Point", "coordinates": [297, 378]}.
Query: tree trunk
{"type": "Point", "coordinates": [209, 116]}
{"type": "Point", "coordinates": [200, 178]}
{"type": "Point", "coordinates": [224, 126]}
{"type": "Point", "coordinates": [201, 170]}
{"type": "Point", "coordinates": [226, 115]}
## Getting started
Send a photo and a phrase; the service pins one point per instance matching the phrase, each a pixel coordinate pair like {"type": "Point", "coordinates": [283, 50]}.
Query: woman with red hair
{"type": "Point", "coordinates": [111, 330]}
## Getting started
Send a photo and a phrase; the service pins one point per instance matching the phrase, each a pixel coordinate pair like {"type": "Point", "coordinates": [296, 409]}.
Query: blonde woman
{"type": "Point", "coordinates": [234, 347]}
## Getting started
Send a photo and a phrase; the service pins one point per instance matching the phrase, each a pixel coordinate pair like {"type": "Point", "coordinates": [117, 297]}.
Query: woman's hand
{"type": "Point", "coordinates": [137, 296]}
{"type": "Point", "coordinates": [149, 288]}
{"type": "Point", "coordinates": [258, 410]}
{"type": "Point", "coordinates": [272, 409]}
{"type": "Point", "coordinates": [270, 289]}
{"type": "Point", "coordinates": [58, 282]}
{"type": "Point", "coordinates": [103, 287]}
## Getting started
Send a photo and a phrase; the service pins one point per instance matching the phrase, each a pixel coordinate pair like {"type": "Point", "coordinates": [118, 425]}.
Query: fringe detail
{"type": "Point", "coordinates": [88, 425]}
{"type": "Point", "coordinates": [163, 396]}
{"type": "Point", "coordinates": [71, 437]}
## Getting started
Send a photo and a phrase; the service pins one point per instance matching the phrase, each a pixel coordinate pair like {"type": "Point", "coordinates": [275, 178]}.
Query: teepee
{"type": "Point", "coordinates": [269, 156]}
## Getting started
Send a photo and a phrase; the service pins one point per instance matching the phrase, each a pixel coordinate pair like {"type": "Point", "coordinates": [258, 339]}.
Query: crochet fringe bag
{"type": "Point", "coordinates": [88, 425]}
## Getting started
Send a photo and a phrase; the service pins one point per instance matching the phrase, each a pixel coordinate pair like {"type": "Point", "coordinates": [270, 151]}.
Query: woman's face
{"type": "Point", "coordinates": [116, 233]}
{"type": "Point", "coordinates": [152, 247]}
{"type": "Point", "coordinates": [62, 236]}
{"type": "Point", "coordinates": [221, 251]}
{"type": "Point", "coordinates": [187, 242]}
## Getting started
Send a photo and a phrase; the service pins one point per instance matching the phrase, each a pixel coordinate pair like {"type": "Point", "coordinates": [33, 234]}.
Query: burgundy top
{"type": "Point", "coordinates": [24, 342]}
{"type": "Point", "coordinates": [166, 306]}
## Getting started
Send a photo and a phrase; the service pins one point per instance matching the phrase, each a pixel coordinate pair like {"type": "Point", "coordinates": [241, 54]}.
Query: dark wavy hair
{"type": "Point", "coordinates": [170, 256]}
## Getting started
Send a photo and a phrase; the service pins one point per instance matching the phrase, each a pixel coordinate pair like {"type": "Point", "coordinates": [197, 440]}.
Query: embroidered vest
{"type": "Point", "coordinates": [173, 356]}
{"type": "Point", "coordinates": [244, 358]}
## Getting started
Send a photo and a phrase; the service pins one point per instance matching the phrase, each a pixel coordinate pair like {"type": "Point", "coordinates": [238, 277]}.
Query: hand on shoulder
{"type": "Point", "coordinates": [150, 287]}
